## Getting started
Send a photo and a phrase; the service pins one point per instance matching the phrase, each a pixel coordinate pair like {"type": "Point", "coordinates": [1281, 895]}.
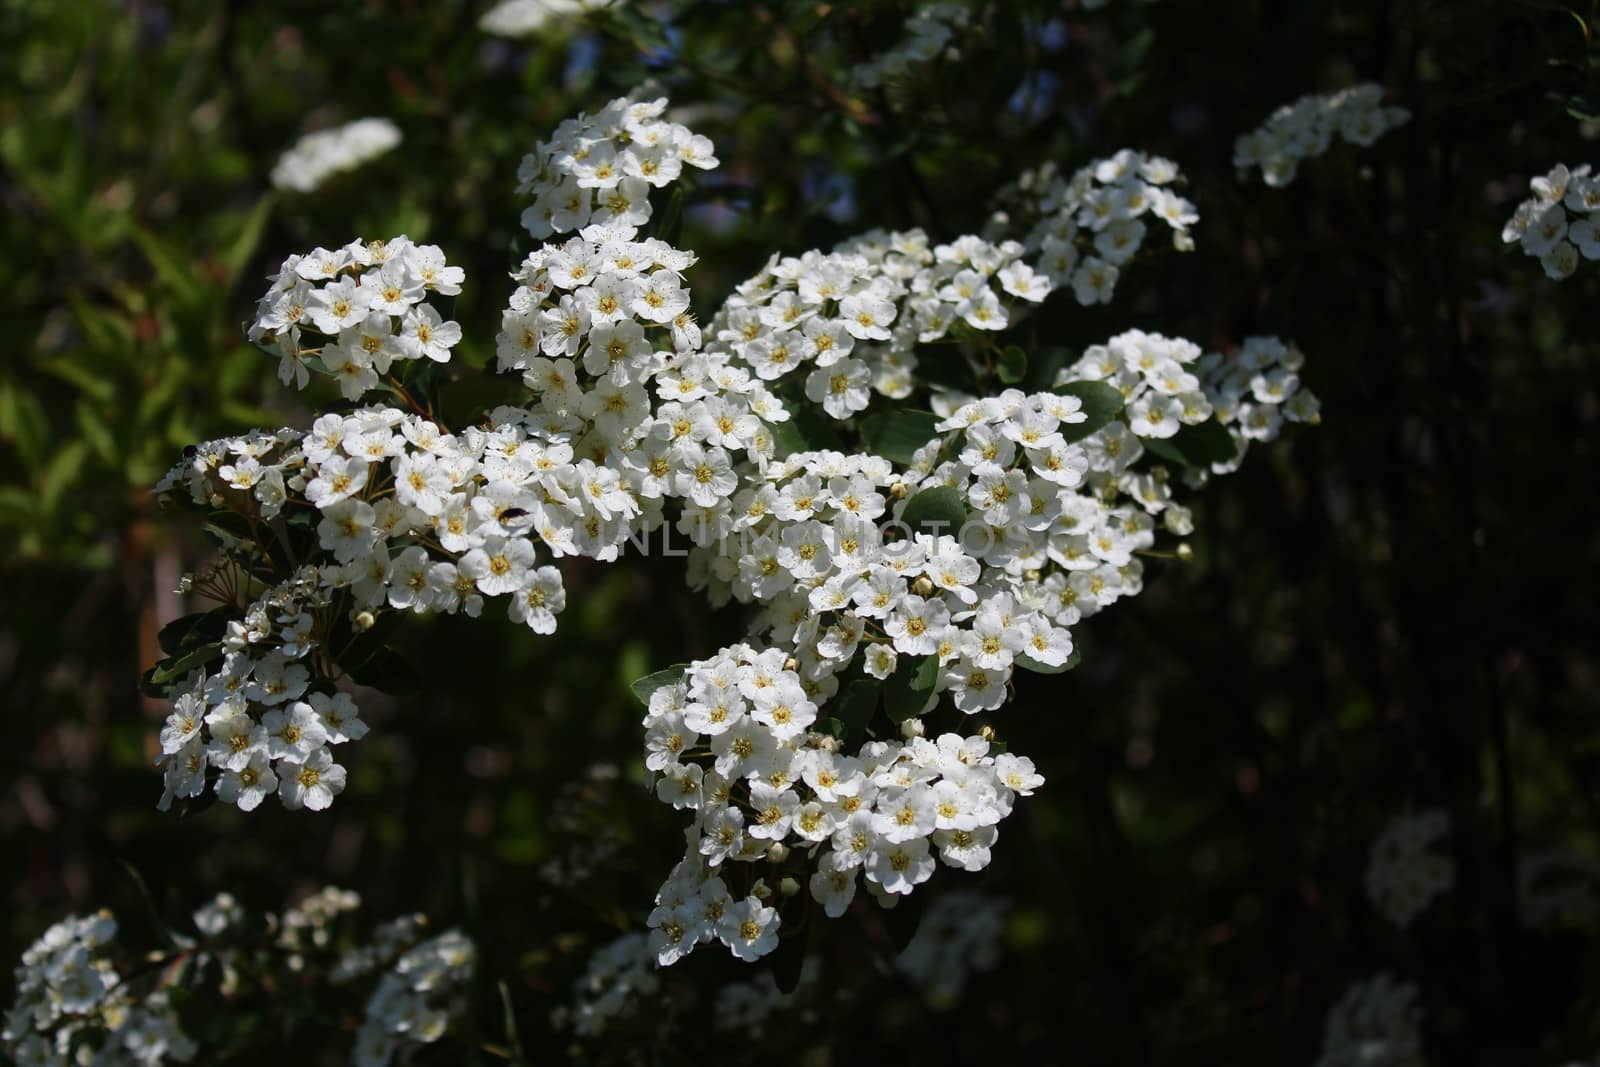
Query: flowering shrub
{"type": "Point", "coordinates": [898, 584]}
{"type": "Point", "coordinates": [82, 998]}
{"type": "Point", "coordinates": [317, 156]}
{"type": "Point", "coordinates": [1405, 873]}
{"type": "Point", "coordinates": [1382, 619]}
{"type": "Point", "coordinates": [1306, 128]}
{"type": "Point", "coordinates": [1543, 228]}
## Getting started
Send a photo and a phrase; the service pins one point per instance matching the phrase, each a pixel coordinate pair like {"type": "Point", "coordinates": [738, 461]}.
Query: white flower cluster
{"type": "Point", "coordinates": [369, 298]}
{"type": "Point", "coordinates": [253, 720]}
{"type": "Point", "coordinates": [411, 518]}
{"type": "Point", "coordinates": [77, 991]}
{"type": "Point", "coordinates": [415, 999]}
{"type": "Point", "coordinates": [1012, 522]}
{"type": "Point", "coordinates": [1543, 227]}
{"type": "Point", "coordinates": [854, 316]}
{"type": "Point", "coordinates": [1084, 230]}
{"type": "Point", "coordinates": [1255, 390]}
{"type": "Point", "coordinates": [1405, 874]}
{"type": "Point", "coordinates": [598, 170]}
{"type": "Point", "coordinates": [619, 974]}
{"type": "Point", "coordinates": [1168, 385]}
{"type": "Point", "coordinates": [959, 935]}
{"type": "Point", "coordinates": [1375, 1024]}
{"type": "Point", "coordinates": [524, 18]}
{"type": "Point", "coordinates": [734, 742]}
{"type": "Point", "coordinates": [67, 988]}
{"type": "Point", "coordinates": [1306, 128]}
{"type": "Point", "coordinates": [318, 156]}
{"type": "Point", "coordinates": [929, 31]}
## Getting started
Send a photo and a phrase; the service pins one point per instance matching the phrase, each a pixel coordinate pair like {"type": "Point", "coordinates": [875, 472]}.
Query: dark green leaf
{"type": "Point", "coordinates": [173, 670]}
{"type": "Point", "coordinates": [789, 959]}
{"type": "Point", "coordinates": [854, 708]}
{"type": "Point", "coordinates": [389, 672]}
{"type": "Point", "coordinates": [644, 687]}
{"type": "Point", "coordinates": [191, 631]}
{"type": "Point", "coordinates": [788, 438]}
{"type": "Point", "coordinates": [464, 402]}
{"type": "Point", "coordinates": [669, 227]}
{"type": "Point", "coordinates": [901, 921]}
{"type": "Point", "coordinates": [1101, 404]}
{"type": "Point", "coordinates": [1195, 446]}
{"type": "Point", "coordinates": [939, 510]}
{"type": "Point", "coordinates": [1013, 365]}
{"type": "Point", "coordinates": [906, 691]}
{"type": "Point", "coordinates": [896, 435]}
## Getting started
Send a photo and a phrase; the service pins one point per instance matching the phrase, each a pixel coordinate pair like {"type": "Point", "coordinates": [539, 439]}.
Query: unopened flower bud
{"type": "Point", "coordinates": [911, 728]}
{"type": "Point", "coordinates": [788, 887]}
{"type": "Point", "coordinates": [760, 890]}
{"type": "Point", "coordinates": [791, 664]}
{"type": "Point", "coordinates": [778, 852]}
{"type": "Point", "coordinates": [899, 491]}
{"type": "Point", "coordinates": [1184, 552]}
{"type": "Point", "coordinates": [986, 732]}
{"type": "Point", "coordinates": [363, 622]}
{"type": "Point", "coordinates": [923, 586]}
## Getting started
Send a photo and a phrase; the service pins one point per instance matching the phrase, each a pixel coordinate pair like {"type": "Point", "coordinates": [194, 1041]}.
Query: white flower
{"type": "Point", "coordinates": [312, 783]}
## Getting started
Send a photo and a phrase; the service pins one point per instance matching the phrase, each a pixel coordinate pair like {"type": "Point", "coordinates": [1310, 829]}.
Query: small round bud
{"type": "Point", "coordinates": [899, 491]}
{"type": "Point", "coordinates": [986, 732]}
{"type": "Point", "coordinates": [788, 887]}
{"type": "Point", "coordinates": [778, 852]}
{"type": "Point", "coordinates": [923, 586]}
{"type": "Point", "coordinates": [760, 890]}
{"type": "Point", "coordinates": [1184, 552]}
{"type": "Point", "coordinates": [363, 622]}
{"type": "Point", "coordinates": [1032, 575]}
{"type": "Point", "coordinates": [911, 728]}
{"type": "Point", "coordinates": [791, 664]}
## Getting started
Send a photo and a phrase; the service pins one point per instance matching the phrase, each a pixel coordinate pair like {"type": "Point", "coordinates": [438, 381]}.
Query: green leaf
{"type": "Point", "coordinates": [1047, 362]}
{"type": "Point", "coordinates": [906, 691]}
{"type": "Point", "coordinates": [853, 709]}
{"type": "Point", "coordinates": [464, 402]}
{"type": "Point", "coordinates": [1013, 365]}
{"type": "Point", "coordinates": [169, 263]}
{"type": "Point", "coordinates": [94, 430]}
{"type": "Point", "coordinates": [238, 254]}
{"type": "Point", "coordinates": [896, 435]}
{"type": "Point", "coordinates": [389, 672]}
{"type": "Point", "coordinates": [646, 686]}
{"type": "Point", "coordinates": [509, 1020]}
{"type": "Point", "coordinates": [169, 671]}
{"type": "Point", "coordinates": [1195, 446]}
{"type": "Point", "coordinates": [1101, 404]}
{"type": "Point", "coordinates": [789, 958]}
{"type": "Point", "coordinates": [787, 436]}
{"type": "Point", "coordinates": [901, 921]}
{"type": "Point", "coordinates": [670, 226]}
{"type": "Point", "coordinates": [191, 631]}
{"type": "Point", "coordinates": [939, 510]}
{"type": "Point", "coordinates": [1029, 664]}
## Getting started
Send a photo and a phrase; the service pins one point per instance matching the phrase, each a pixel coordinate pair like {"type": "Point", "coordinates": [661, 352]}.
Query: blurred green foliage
{"type": "Point", "coordinates": [1389, 612]}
